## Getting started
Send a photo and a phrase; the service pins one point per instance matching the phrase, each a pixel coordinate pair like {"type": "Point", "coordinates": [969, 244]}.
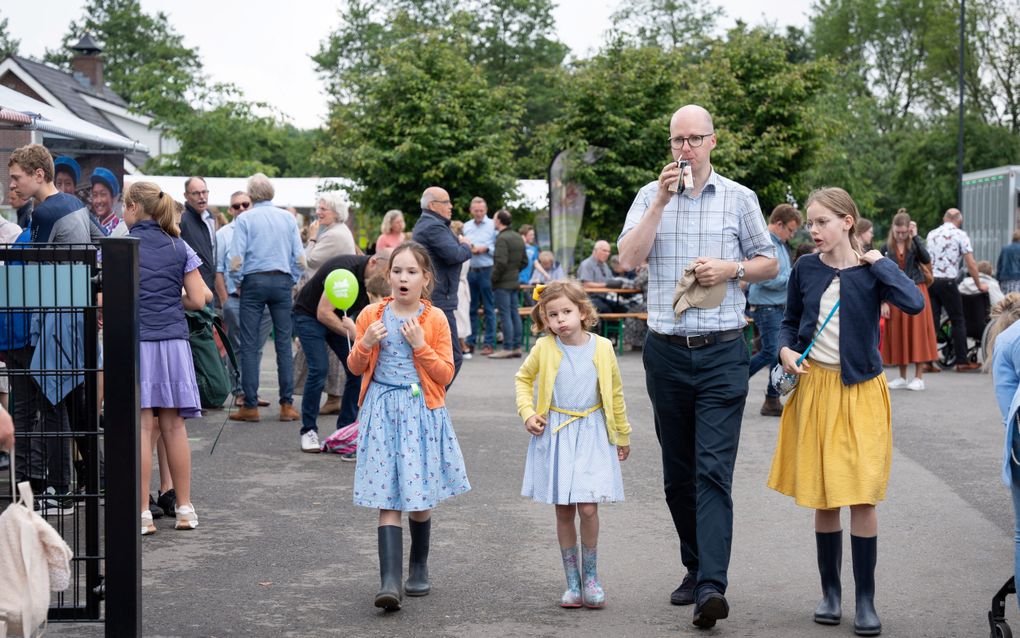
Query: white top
{"type": "Point", "coordinates": [826, 348]}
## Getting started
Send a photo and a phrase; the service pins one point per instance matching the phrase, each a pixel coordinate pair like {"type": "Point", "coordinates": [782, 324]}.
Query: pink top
{"type": "Point", "coordinates": [389, 240]}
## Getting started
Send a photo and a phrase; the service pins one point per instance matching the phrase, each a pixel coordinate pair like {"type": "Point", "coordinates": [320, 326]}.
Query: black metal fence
{"type": "Point", "coordinates": [50, 328]}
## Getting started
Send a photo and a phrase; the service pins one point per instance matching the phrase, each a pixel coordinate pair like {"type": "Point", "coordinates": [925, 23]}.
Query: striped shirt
{"type": "Point", "coordinates": [723, 222]}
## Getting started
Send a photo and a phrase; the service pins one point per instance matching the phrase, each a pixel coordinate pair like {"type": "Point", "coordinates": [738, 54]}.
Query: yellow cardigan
{"type": "Point", "coordinates": [544, 361]}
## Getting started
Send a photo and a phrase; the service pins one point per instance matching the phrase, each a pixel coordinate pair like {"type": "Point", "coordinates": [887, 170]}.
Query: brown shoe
{"type": "Point", "coordinates": [772, 407]}
{"type": "Point", "coordinates": [485, 351]}
{"type": "Point", "coordinates": [502, 354]}
{"type": "Point", "coordinates": [239, 402]}
{"type": "Point", "coordinates": [245, 414]}
{"type": "Point", "coordinates": [516, 352]}
{"type": "Point", "coordinates": [930, 368]}
{"type": "Point", "coordinates": [968, 367]}
{"type": "Point", "coordinates": [288, 413]}
{"type": "Point", "coordinates": [331, 406]}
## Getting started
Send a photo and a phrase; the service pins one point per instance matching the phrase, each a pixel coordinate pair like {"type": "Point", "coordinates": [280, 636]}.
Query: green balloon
{"type": "Point", "coordinates": [341, 288]}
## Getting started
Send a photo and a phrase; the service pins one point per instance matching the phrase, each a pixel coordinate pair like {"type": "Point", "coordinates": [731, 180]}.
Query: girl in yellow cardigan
{"type": "Point", "coordinates": [579, 428]}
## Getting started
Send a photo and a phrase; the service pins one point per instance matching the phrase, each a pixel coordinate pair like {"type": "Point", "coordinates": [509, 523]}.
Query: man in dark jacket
{"type": "Point", "coordinates": [508, 259]}
{"type": "Point", "coordinates": [197, 229]}
{"type": "Point", "coordinates": [447, 252]}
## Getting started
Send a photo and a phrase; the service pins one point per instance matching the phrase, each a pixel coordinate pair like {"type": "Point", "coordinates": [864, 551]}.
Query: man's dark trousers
{"type": "Point", "coordinates": [944, 294]}
{"type": "Point", "coordinates": [698, 402]}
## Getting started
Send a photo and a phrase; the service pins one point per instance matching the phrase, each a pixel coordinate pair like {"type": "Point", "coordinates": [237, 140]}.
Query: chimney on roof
{"type": "Point", "coordinates": [87, 62]}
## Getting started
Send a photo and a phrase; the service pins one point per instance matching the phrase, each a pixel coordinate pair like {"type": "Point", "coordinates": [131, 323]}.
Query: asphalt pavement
{"type": "Point", "coordinates": [282, 551]}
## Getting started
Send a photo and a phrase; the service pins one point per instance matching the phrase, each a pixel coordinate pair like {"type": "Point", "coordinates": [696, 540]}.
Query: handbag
{"type": "Point", "coordinates": [929, 277]}
{"type": "Point", "coordinates": [783, 381]}
{"type": "Point", "coordinates": [214, 381]}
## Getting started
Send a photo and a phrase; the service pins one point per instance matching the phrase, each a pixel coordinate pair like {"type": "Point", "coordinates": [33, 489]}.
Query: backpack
{"type": "Point", "coordinates": [214, 382]}
{"type": "Point", "coordinates": [343, 441]}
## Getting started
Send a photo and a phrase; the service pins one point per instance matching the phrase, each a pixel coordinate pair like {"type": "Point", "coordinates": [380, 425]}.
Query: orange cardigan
{"type": "Point", "coordinates": [433, 361]}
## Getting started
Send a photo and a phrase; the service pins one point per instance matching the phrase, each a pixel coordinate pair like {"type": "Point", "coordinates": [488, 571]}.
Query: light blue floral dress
{"type": "Point", "coordinates": [408, 455]}
{"type": "Point", "coordinates": [578, 464]}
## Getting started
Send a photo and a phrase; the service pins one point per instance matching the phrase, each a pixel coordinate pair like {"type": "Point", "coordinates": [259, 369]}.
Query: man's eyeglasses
{"type": "Point", "coordinates": [198, 193]}
{"type": "Point", "coordinates": [240, 206]}
{"type": "Point", "coordinates": [442, 201]}
{"type": "Point", "coordinates": [694, 141]}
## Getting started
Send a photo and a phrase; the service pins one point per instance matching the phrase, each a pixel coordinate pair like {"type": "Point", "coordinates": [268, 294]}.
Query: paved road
{"type": "Point", "coordinates": [281, 550]}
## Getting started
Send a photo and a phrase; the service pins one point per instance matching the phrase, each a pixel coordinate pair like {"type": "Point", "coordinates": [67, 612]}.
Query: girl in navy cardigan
{"type": "Point", "coordinates": [835, 436]}
{"type": "Point", "coordinates": [166, 373]}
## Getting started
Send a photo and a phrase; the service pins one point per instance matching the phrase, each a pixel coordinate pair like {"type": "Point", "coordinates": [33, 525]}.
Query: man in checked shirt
{"type": "Point", "coordinates": [696, 366]}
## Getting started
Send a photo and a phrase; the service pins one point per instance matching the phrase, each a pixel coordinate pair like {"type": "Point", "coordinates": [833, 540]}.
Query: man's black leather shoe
{"type": "Point", "coordinates": [684, 594]}
{"type": "Point", "coordinates": [711, 606]}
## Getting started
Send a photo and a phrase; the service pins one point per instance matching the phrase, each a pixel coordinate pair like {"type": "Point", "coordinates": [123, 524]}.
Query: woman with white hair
{"type": "Point", "coordinates": [392, 230]}
{"type": "Point", "coordinates": [331, 237]}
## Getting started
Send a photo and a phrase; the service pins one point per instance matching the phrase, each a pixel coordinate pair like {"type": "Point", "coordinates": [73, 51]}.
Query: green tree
{"type": "Point", "coordinates": [769, 128]}
{"type": "Point", "coordinates": [8, 45]}
{"type": "Point", "coordinates": [145, 60]}
{"type": "Point", "coordinates": [427, 117]}
{"type": "Point", "coordinates": [671, 24]}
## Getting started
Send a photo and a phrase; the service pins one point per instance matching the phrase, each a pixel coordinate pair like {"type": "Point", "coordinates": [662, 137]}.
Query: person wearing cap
{"type": "Point", "coordinates": [696, 363]}
{"type": "Point", "coordinates": [105, 193]}
{"type": "Point", "coordinates": [67, 175]}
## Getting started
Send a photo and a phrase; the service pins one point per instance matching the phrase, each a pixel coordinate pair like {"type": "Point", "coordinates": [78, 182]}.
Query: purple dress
{"type": "Point", "coordinates": [167, 371]}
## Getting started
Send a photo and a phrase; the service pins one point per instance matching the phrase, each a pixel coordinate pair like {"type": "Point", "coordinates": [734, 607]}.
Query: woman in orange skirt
{"type": "Point", "coordinates": [908, 338]}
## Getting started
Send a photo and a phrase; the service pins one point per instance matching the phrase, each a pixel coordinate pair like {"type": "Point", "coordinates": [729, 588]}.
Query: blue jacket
{"type": "Point", "coordinates": [161, 260]}
{"type": "Point", "coordinates": [1008, 266]}
{"type": "Point", "coordinates": [1006, 375]}
{"type": "Point", "coordinates": [862, 290]}
{"type": "Point", "coordinates": [433, 232]}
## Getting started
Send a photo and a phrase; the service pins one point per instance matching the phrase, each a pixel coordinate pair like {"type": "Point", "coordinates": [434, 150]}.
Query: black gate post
{"type": "Point", "coordinates": [120, 363]}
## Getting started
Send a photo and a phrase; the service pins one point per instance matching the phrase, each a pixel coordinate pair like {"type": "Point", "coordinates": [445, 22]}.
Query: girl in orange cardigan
{"type": "Point", "coordinates": [408, 455]}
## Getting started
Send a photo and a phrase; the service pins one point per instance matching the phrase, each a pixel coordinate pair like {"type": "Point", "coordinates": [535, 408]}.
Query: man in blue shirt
{"type": "Point", "coordinates": [266, 259]}
{"type": "Point", "coordinates": [481, 232]}
{"type": "Point", "coordinates": [768, 303]}
{"type": "Point", "coordinates": [696, 364]}
{"type": "Point", "coordinates": [230, 295]}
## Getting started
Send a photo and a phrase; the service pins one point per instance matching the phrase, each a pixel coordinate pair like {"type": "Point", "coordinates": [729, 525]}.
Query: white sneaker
{"type": "Point", "coordinates": [310, 442]}
{"type": "Point", "coordinates": [147, 526]}
{"type": "Point", "coordinates": [916, 384]}
{"type": "Point", "coordinates": [897, 384]}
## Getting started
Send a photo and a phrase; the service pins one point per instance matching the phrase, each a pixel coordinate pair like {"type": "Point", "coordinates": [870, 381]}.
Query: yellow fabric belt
{"type": "Point", "coordinates": [575, 415]}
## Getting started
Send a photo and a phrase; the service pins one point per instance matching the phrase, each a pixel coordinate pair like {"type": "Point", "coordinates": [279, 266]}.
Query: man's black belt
{"type": "Point", "coordinates": [693, 342]}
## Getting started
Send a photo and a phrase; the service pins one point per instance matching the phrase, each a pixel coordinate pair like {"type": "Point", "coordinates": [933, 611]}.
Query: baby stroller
{"type": "Point", "coordinates": [977, 310]}
{"type": "Point", "coordinates": [997, 616]}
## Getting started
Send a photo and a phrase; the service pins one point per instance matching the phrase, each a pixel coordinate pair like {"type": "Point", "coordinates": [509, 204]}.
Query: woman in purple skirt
{"type": "Point", "coordinates": [169, 391]}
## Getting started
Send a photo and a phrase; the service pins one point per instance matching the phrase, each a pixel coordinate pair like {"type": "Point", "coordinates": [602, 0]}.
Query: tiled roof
{"type": "Point", "coordinates": [66, 88]}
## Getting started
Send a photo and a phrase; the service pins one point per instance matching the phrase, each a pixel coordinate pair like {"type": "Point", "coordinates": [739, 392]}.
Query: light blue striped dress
{"type": "Point", "coordinates": [578, 464]}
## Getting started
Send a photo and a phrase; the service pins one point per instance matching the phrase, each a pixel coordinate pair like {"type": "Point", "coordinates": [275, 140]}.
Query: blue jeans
{"type": "Point", "coordinates": [698, 402]}
{"type": "Point", "coordinates": [259, 290]}
{"type": "Point", "coordinates": [314, 338]}
{"type": "Point", "coordinates": [1015, 488]}
{"type": "Point", "coordinates": [768, 319]}
{"type": "Point", "coordinates": [506, 301]}
{"type": "Point", "coordinates": [480, 283]}
{"type": "Point", "coordinates": [232, 321]}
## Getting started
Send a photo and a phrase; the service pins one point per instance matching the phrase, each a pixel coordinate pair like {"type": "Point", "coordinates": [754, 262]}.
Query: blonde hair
{"type": "Point", "coordinates": [424, 262]}
{"type": "Point", "coordinates": [388, 219]}
{"type": "Point", "coordinates": [1004, 314]}
{"type": "Point", "coordinates": [984, 267]}
{"type": "Point", "coordinates": [154, 204]}
{"type": "Point", "coordinates": [839, 202]}
{"type": "Point", "coordinates": [32, 158]}
{"type": "Point", "coordinates": [574, 292]}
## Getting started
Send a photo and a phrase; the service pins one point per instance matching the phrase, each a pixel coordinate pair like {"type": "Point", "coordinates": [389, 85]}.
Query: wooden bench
{"type": "Point", "coordinates": [612, 322]}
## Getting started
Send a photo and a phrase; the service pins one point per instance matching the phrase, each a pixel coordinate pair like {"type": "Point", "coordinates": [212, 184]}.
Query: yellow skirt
{"type": "Point", "coordinates": [835, 441]}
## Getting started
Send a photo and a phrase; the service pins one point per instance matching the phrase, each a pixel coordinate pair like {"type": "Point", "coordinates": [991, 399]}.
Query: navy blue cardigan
{"type": "Point", "coordinates": [862, 289]}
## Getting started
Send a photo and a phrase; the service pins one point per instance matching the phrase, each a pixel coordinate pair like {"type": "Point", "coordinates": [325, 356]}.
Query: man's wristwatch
{"type": "Point", "coordinates": [740, 271]}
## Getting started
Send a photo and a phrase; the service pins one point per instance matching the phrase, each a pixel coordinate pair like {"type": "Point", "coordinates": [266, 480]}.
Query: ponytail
{"type": "Point", "coordinates": [155, 204]}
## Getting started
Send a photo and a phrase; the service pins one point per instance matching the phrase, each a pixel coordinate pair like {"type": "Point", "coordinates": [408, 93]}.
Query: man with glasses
{"type": "Point", "coordinates": [229, 294]}
{"type": "Point", "coordinates": [198, 227]}
{"type": "Point", "coordinates": [767, 301]}
{"type": "Point", "coordinates": [448, 253]}
{"type": "Point", "coordinates": [696, 364]}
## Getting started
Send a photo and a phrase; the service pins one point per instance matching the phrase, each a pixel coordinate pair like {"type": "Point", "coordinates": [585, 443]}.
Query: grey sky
{"type": "Point", "coordinates": [264, 47]}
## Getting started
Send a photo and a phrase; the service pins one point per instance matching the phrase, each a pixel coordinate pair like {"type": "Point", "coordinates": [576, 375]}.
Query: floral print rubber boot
{"type": "Point", "coordinates": [593, 595]}
{"type": "Point", "coordinates": [571, 598]}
